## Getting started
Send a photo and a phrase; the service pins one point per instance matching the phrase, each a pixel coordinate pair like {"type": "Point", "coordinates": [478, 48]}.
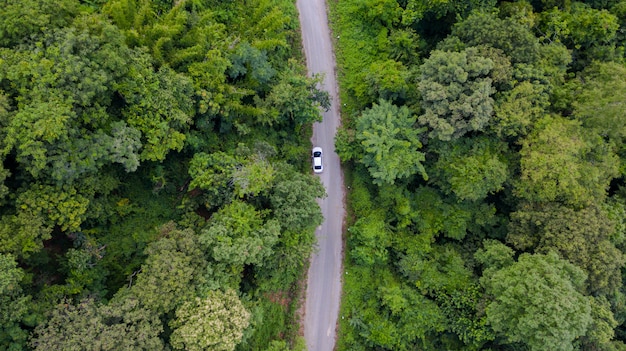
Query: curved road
{"type": "Point", "coordinates": [324, 278]}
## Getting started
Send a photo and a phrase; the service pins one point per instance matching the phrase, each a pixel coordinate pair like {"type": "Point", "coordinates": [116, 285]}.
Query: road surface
{"type": "Point", "coordinates": [324, 278]}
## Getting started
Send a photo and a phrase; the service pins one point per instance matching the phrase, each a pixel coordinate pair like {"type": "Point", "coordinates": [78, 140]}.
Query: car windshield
{"type": "Point", "coordinates": [317, 154]}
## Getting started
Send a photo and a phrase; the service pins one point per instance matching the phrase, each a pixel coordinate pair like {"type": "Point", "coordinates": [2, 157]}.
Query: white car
{"type": "Point", "coordinates": [318, 163]}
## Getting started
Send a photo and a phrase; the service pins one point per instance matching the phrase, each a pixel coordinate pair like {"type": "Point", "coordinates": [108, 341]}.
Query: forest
{"type": "Point", "coordinates": [483, 142]}
{"type": "Point", "coordinates": [155, 184]}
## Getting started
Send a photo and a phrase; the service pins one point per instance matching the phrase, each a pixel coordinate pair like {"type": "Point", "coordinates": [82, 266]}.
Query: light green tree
{"type": "Point", "coordinates": [561, 161]}
{"type": "Point", "coordinates": [537, 301]}
{"type": "Point", "coordinates": [215, 322]}
{"type": "Point", "coordinates": [166, 279]}
{"type": "Point", "coordinates": [390, 142]}
{"type": "Point", "coordinates": [239, 235]}
{"type": "Point", "coordinates": [122, 325]}
{"type": "Point", "coordinates": [597, 97]}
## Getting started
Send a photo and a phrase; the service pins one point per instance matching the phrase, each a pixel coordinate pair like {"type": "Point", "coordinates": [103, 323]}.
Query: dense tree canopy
{"type": "Point", "coordinates": [390, 142]}
{"type": "Point", "coordinates": [515, 240]}
{"type": "Point", "coordinates": [537, 301]}
{"type": "Point", "coordinates": [153, 154]}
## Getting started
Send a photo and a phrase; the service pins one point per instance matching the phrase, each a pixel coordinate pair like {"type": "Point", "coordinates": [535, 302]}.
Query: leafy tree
{"type": "Point", "coordinates": [405, 46]}
{"type": "Point", "coordinates": [416, 10]}
{"type": "Point", "coordinates": [518, 109]}
{"type": "Point", "coordinates": [296, 98]}
{"type": "Point", "coordinates": [22, 19]}
{"type": "Point", "coordinates": [239, 235]}
{"type": "Point", "coordinates": [61, 93]}
{"type": "Point", "coordinates": [388, 80]}
{"type": "Point", "coordinates": [390, 141]}
{"type": "Point", "coordinates": [581, 237]}
{"type": "Point", "coordinates": [89, 325]}
{"type": "Point", "coordinates": [159, 105]}
{"type": "Point", "coordinates": [14, 305]}
{"type": "Point", "coordinates": [581, 27]}
{"type": "Point", "coordinates": [537, 301]}
{"type": "Point", "coordinates": [472, 168]}
{"type": "Point", "coordinates": [560, 161]}
{"type": "Point", "coordinates": [215, 322]}
{"type": "Point", "coordinates": [599, 90]}
{"type": "Point", "coordinates": [63, 206]}
{"type": "Point", "coordinates": [213, 174]}
{"type": "Point", "coordinates": [602, 328]}
{"type": "Point", "coordinates": [222, 176]}
{"type": "Point", "coordinates": [456, 93]}
{"type": "Point", "coordinates": [448, 216]}
{"type": "Point", "coordinates": [293, 201]}
{"type": "Point", "coordinates": [370, 239]}
{"type": "Point", "coordinates": [23, 234]}
{"type": "Point", "coordinates": [465, 317]}
{"type": "Point", "coordinates": [173, 263]}
{"type": "Point", "coordinates": [438, 270]}
{"type": "Point", "coordinates": [513, 37]}
{"type": "Point", "coordinates": [390, 319]}
{"type": "Point", "coordinates": [494, 255]}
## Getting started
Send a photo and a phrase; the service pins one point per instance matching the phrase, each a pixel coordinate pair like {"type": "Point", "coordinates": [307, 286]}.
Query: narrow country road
{"type": "Point", "coordinates": [324, 277]}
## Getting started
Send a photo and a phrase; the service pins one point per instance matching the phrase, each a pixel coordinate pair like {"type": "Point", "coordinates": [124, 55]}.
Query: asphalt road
{"type": "Point", "coordinates": [324, 278]}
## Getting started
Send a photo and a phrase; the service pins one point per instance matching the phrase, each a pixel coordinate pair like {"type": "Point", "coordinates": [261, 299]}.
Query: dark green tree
{"type": "Point", "coordinates": [471, 169]}
{"type": "Point", "coordinates": [456, 93]}
{"type": "Point", "coordinates": [14, 305]}
{"type": "Point", "coordinates": [581, 237]}
{"type": "Point", "coordinates": [124, 325]}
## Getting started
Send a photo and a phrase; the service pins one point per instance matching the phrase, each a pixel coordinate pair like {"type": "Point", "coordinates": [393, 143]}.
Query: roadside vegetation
{"type": "Point", "coordinates": [155, 184]}
{"type": "Point", "coordinates": [484, 147]}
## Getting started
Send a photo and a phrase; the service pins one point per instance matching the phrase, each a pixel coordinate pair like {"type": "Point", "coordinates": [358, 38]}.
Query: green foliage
{"type": "Point", "coordinates": [388, 80]}
{"type": "Point", "coordinates": [537, 301]}
{"type": "Point", "coordinates": [466, 319]}
{"type": "Point", "coordinates": [89, 325]}
{"type": "Point", "coordinates": [472, 168]}
{"type": "Point", "coordinates": [581, 237]}
{"type": "Point", "coordinates": [215, 322]}
{"type": "Point", "coordinates": [23, 234]}
{"type": "Point", "coordinates": [369, 240]}
{"type": "Point", "coordinates": [173, 262]}
{"type": "Point", "coordinates": [293, 201]}
{"type": "Point", "coordinates": [450, 218]}
{"type": "Point", "coordinates": [14, 304]}
{"type": "Point", "coordinates": [438, 270]}
{"type": "Point", "coordinates": [599, 90]}
{"type": "Point", "coordinates": [159, 106]}
{"type": "Point", "coordinates": [560, 161]}
{"type": "Point", "coordinates": [580, 27]}
{"type": "Point", "coordinates": [522, 102]}
{"type": "Point", "coordinates": [390, 142]}
{"type": "Point", "coordinates": [456, 93]}
{"type": "Point", "coordinates": [238, 235]}
{"type": "Point", "coordinates": [21, 19]}
{"type": "Point", "coordinates": [513, 37]}
{"type": "Point", "coordinates": [517, 111]}
{"type": "Point", "coordinates": [64, 206]}
{"type": "Point", "coordinates": [295, 98]}
{"type": "Point", "coordinates": [494, 255]}
{"type": "Point", "coordinates": [601, 331]}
